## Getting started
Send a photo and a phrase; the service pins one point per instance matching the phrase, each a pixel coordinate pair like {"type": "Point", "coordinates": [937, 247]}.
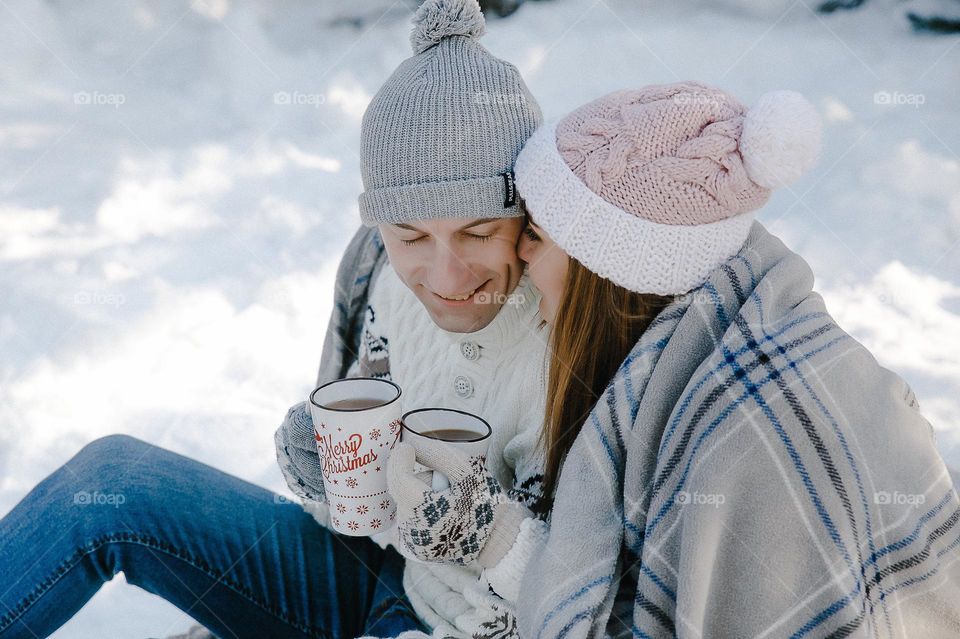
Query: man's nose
{"type": "Point", "coordinates": [450, 273]}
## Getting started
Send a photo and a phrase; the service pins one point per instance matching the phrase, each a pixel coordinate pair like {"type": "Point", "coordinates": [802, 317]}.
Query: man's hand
{"type": "Point", "coordinates": [297, 454]}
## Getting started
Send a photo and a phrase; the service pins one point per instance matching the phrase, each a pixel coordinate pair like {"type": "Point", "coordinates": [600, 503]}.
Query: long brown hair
{"type": "Point", "coordinates": [597, 324]}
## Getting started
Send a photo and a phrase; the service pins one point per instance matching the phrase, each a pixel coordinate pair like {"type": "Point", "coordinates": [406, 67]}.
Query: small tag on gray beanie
{"type": "Point", "coordinates": [510, 198]}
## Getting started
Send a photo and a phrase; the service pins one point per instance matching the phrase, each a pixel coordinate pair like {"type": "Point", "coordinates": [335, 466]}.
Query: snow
{"type": "Point", "coordinates": [178, 181]}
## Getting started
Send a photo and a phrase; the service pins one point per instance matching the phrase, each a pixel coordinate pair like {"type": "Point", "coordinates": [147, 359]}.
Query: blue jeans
{"type": "Point", "coordinates": [230, 554]}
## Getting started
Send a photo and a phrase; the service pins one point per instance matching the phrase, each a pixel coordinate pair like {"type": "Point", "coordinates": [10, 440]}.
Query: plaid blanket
{"type": "Point", "coordinates": [750, 471]}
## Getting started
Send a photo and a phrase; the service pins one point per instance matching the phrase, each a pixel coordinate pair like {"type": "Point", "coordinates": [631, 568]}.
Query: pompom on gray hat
{"type": "Point", "coordinates": [440, 137]}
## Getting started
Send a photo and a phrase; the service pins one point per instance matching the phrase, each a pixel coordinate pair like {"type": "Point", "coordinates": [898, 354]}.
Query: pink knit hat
{"type": "Point", "coordinates": [654, 188]}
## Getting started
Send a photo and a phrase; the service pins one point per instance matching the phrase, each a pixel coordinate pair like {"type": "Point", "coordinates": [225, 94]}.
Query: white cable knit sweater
{"type": "Point", "coordinates": [497, 373]}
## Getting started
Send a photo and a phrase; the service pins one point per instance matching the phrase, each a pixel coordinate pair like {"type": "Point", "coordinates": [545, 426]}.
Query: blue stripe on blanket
{"type": "Point", "coordinates": [586, 615]}
{"type": "Point", "coordinates": [792, 364]}
{"type": "Point", "coordinates": [611, 394]}
{"type": "Point", "coordinates": [838, 432]}
{"type": "Point", "coordinates": [599, 581]}
{"type": "Point", "coordinates": [747, 265]}
{"type": "Point", "coordinates": [688, 398]}
{"type": "Point", "coordinates": [632, 396]}
{"type": "Point", "coordinates": [924, 553]}
{"type": "Point", "coordinates": [914, 535]}
{"type": "Point", "coordinates": [739, 372]}
{"type": "Point", "coordinates": [919, 578]}
{"type": "Point", "coordinates": [652, 524]}
{"type": "Point", "coordinates": [829, 467]}
{"type": "Point", "coordinates": [751, 390]}
{"type": "Point", "coordinates": [659, 582]}
{"type": "Point", "coordinates": [820, 618]}
{"type": "Point", "coordinates": [611, 455]}
{"type": "Point", "coordinates": [812, 492]}
{"type": "Point", "coordinates": [661, 617]}
{"type": "Point", "coordinates": [831, 610]}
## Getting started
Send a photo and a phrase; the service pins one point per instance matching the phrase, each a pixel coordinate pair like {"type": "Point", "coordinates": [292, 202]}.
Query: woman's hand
{"type": "Point", "coordinates": [471, 520]}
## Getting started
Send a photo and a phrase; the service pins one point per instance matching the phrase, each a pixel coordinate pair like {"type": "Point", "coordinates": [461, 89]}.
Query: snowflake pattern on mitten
{"type": "Point", "coordinates": [451, 525]}
{"type": "Point", "coordinates": [492, 617]}
{"type": "Point", "coordinates": [502, 625]}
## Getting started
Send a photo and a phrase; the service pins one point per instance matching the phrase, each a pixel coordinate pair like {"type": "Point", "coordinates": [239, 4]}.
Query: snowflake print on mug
{"type": "Point", "coordinates": [375, 433]}
{"type": "Point", "coordinates": [341, 508]}
{"type": "Point", "coordinates": [376, 523]}
{"type": "Point", "coordinates": [352, 525]}
{"type": "Point", "coordinates": [352, 482]}
{"type": "Point", "coordinates": [384, 504]}
{"type": "Point", "coordinates": [362, 509]}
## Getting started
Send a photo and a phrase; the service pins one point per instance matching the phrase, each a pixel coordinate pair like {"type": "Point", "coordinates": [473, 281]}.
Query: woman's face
{"type": "Point", "coordinates": [547, 265]}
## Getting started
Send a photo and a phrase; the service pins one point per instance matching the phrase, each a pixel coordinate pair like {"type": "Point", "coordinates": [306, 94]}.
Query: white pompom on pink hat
{"type": "Point", "coordinates": [654, 188]}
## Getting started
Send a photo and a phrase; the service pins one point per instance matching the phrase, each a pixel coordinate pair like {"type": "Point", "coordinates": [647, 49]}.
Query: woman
{"type": "Point", "coordinates": [721, 459]}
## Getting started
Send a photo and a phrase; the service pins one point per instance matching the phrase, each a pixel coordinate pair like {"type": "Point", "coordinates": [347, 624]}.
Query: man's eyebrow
{"type": "Point", "coordinates": [483, 220]}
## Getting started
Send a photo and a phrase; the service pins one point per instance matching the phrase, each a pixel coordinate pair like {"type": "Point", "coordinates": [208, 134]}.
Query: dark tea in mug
{"type": "Point", "coordinates": [451, 435]}
{"type": "Point", "coordinates": [354, 403]}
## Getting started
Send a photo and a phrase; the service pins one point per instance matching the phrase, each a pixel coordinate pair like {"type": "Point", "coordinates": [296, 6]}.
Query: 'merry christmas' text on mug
{"type": "Point", "coordinates": [356, 422]}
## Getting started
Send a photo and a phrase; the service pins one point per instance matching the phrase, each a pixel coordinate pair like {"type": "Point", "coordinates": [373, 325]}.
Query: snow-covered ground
{"type": "Point", "coordinates": [178, 180]}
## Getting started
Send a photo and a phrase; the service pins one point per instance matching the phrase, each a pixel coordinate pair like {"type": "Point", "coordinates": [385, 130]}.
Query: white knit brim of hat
{"type": "Point", "coordinates": [632, 252]}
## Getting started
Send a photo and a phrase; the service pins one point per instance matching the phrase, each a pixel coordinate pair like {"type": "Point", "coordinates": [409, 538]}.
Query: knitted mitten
{"type": "Point", "coordinates": [492, 617]}
{"type": "Point", "coordinates": [472, 520]}
{"type": "Point", "coordinates": [297, 454]}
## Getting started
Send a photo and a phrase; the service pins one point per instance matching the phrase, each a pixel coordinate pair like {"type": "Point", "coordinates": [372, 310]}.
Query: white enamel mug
{"type": "Point", "coordinates": [419, 424]}
{"type": "Point", "coordinates": [354, 445]}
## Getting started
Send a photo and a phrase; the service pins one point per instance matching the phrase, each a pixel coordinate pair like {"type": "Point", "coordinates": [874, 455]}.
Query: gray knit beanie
{"type": "Point", "coordinates": [439, 139]}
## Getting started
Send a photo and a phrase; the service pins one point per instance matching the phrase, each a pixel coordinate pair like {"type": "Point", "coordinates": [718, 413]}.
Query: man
{"type": "Point", "coordinates": [434, 297]}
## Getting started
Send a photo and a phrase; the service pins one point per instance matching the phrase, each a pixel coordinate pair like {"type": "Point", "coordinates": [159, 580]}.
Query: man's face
{"type": "Point", "coordinates": [461, 270]}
